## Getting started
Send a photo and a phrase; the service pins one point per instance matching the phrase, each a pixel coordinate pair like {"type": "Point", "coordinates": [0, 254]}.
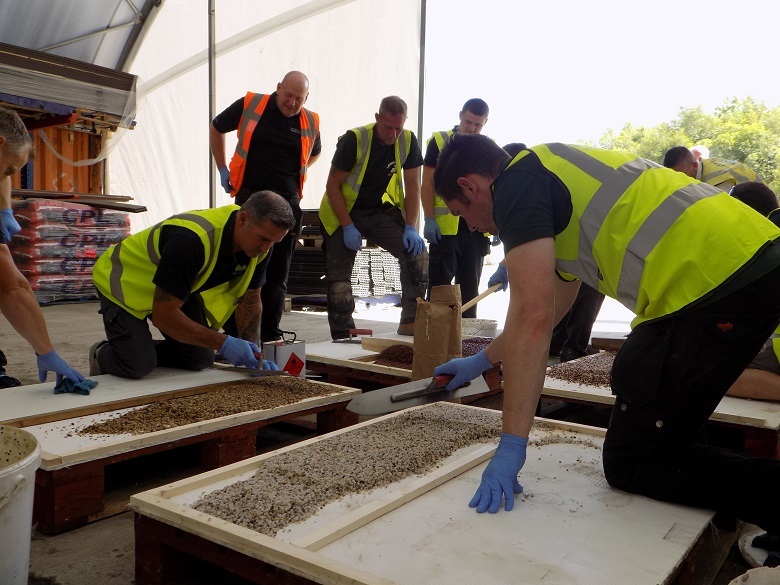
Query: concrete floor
{"type": "Point", "coordinates": [101, 553]}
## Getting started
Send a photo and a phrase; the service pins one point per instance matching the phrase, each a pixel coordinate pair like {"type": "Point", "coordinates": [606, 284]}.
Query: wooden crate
{"type": "Point", "coordinates": [70, 483]}
{"type": "Point", "coordinates": [352, 364]}
{"type": "Point", "coordinates": [570, 528]}
{"type": "Point", "coordinates": [758, 421]}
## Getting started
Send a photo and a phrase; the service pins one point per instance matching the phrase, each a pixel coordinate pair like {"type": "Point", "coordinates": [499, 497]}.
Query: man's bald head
{"type": "Point", "coordinates": [291, 93]}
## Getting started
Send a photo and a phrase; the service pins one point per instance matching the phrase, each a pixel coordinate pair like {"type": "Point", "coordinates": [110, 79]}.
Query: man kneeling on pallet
{"type": "Point", "coordinates": [188, 274]}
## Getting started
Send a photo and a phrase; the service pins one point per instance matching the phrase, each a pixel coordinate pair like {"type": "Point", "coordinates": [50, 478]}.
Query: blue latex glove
{"type": "Point", "coordinates": [431, 230]}
{"type": "Point", "coordinates": [353, 239]}
{"type": "Point", "coordinates": [269, 365]}
{"type": "Point", "coordinates": [412, 241]}
{"type": "Point", "coordinates": [464, 369]}
{"type": "Point", "coordinates": [51, 362]}
{"type": "Point", "coordinates": [500, 476]}
{"type": "Point", "coordinates": [499, 276]}
{"type": "Point", "coordinates": [8, 224]}
{"type": "Point", "coordinates": [224, 179]}
{"type": "Point", "coordinates": [240, 352]}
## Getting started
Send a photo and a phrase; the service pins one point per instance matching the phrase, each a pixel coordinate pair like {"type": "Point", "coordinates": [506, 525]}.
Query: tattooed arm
{"type": "Point", "coordinates": [248, 314]}
{"type": "Point", "coordinates": [168, 317]}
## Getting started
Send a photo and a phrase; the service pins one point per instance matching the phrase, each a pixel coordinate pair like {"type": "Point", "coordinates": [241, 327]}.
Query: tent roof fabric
{"type": "Point", "coordinates": [101, 32]}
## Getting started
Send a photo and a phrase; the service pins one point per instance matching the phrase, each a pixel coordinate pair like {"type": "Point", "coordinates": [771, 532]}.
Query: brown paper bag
{"type": "Point", "coordinates": [436, 330]}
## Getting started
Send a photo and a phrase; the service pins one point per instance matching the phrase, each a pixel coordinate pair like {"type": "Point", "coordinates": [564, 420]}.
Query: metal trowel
{"type": "Point", "coordinates": [414, 393]}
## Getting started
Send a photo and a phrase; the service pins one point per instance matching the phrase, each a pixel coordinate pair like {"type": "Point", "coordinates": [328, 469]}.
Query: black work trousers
{"type": "Point", "coordinates": [274, 291]}
{"type": "Point", "coordinates": [384, 227]}
{"type": "Point", "coordinates": [458, 257]}
{"type": "Point", "coordinates": [571, 336]}
{"type": "Point", "coordinates": [132, 353]}
{"type": "Point", "coordinates": [669, 376]}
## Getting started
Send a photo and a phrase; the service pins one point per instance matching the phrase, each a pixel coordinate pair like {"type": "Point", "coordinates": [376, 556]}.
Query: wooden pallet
{"type": "Point", "coordinates": [352, 364]}
{"type": "Point", "coordinates": [70, 483]}
{"type": "Point", "coordinates": [757, 420]}
{"type": "Point", "coordinates": [571, 528]}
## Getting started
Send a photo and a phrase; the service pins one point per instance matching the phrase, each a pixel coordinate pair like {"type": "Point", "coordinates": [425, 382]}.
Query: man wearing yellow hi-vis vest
{"type": "Point", "coordinates": [188, 274]}
{"type": "Point", "coordinates": [718, 172]}
{"type": "Point", "coordinates": [356, 205]}
{"type": "Point", "coordinates": [455, 251]}
{"type": "Point", "coordinates": [699, 269]}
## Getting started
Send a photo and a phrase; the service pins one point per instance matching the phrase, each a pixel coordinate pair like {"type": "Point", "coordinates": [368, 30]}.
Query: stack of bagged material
{"type": "Point", "coordinates": [60, 242]}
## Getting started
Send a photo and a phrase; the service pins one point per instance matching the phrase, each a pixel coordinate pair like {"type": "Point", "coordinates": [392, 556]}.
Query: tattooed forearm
{"type": "Point", "coordinates": [248, 315]}
{"type": "Point", "coordinates": [162, 296]}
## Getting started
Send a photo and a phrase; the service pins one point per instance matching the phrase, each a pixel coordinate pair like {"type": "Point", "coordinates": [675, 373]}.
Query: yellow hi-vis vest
{"type": "Point", "coordinates": [351, 187]}
{"type": "Point", "coordinates": [724, 174]}
{"type": "Point", "coordinates": [652, 238]}
{"type": "Point", "coordinates": [448, 223]}
{"type": "Point", "coordinates": [124, 272]}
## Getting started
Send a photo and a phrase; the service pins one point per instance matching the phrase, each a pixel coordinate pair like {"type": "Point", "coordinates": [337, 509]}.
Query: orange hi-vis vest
{"type": "Point", "coordinates": [254, 106]}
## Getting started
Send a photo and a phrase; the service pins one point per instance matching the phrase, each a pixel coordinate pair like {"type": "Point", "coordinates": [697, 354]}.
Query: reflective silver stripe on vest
{"type": "Point", "coordinates": [444, 138]}
{"type": "Point", "coordinates": [249, 115]}
{"type": "Point", "coordinates": [614, 183]}
{"type": "Point", "coordinates": [440, 211]}
{"type": "Point", "coordinates": [731, 174]}
{"type": "Point", "coordinates": [403, 145]}
{"type": "Point", "coordinates": [310, 132]}
{"type": "Point", "coordinates": [115, 276]}
{"type": "Point", "coordinates": [354, 176]}
{"type": "Point", "coordinates": [649, 234]}
{"type": "Point", "coordinates": [207, 226]}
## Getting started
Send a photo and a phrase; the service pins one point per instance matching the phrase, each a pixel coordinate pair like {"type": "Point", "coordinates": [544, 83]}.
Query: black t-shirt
{"type": "Point", "coordinates": [380, 168]}
{"type": "Point", "coordinates": [182, 256]}
{"type": "Point", "coordinates": [274, 158]}
{"type": "Point", "coordinates": [432, 151]}
{"type": "Point", "coordinates": [529, 203]}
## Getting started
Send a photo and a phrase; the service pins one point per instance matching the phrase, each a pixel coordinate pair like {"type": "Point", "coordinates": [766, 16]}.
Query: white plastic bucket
{"type": "Point", "coordinates": [20, 455]}
{"type": "Point", "coordinates": [759, 576]}
{"type": "Point", "coordinates": [479, 327]}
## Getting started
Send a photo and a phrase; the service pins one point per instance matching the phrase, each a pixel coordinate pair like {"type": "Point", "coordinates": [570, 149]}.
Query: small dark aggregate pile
{"type": "Point", "coordinates": [591, 370]}
{"type": "Point", "coordinates": [396, 356]}
{"type": "Point", "coordinates": [257, 394]}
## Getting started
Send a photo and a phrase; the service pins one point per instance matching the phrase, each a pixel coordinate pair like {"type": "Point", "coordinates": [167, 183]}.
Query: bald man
{"type": "Point", "coordinates": [278, 139]}
{"type": "Point", "coordinates": [718, 172]}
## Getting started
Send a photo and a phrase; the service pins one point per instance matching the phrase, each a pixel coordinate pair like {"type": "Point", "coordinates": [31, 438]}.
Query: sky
{"type": "Point", "coordinates": [566, 70]}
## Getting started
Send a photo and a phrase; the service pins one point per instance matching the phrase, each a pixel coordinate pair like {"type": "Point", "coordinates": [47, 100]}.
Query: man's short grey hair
{"type": "Point", "coordinates": [392, 105]}
{"type": "Point", "coordinates": [267, 205]}
{"type": "Point", "coordinates": [13, 130]}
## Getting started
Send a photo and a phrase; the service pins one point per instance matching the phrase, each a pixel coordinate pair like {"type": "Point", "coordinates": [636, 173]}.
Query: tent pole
{"type": "Point", "coordinates": [212, 97]}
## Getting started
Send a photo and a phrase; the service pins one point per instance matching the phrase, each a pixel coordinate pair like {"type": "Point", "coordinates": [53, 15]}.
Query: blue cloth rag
{"type": "Point", "coordinates": [68, 385]}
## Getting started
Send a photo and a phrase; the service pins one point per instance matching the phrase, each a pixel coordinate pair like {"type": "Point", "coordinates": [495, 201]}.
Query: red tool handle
{"type": "Point", "coordinates": [442, 380]}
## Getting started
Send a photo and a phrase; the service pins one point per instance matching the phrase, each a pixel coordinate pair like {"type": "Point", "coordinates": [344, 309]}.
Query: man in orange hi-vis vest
{"type": "Point", "coordinates": [278, 139]}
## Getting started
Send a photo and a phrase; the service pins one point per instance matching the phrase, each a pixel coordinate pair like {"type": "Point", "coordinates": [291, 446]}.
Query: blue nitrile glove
{"type": "Point", "coordinates": [412, 241]}
{"type": "Point", "coordinates": [431, 230]}
{"type": "Point", "coordinates": [240, 352]}
{"type": "Point", "coordinates": [500, 276]}
{"type": "Point", "coordinates": [8, 224]}
{"type": "Point", "coordinates": [269, 365]}
{"type": "Point", "coordinates": [464, 369]}
{"type": "Point", "coordinates": [51, 362]}
{"type": "Point", "coordinates": [500, 476]}
{"type": "Point", "coordinates": [224, 179]}
{"type": "Point", "coordinates": [353, 239]}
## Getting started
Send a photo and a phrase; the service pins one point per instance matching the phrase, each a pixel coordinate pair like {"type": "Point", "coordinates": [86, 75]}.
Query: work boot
{"type": "Point", "coordinates": [7, 381]}
{"type": "Point", "coordinates": [94, 366]}
{"type": "Point", "coordinates": [406, 329]}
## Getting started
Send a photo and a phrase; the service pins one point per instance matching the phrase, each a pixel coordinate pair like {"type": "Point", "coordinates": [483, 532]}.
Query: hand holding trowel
{"type": "Point", "coordinates": [414, 393]}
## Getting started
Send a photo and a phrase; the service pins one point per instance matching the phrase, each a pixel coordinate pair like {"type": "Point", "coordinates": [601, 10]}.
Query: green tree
{"type": "Point", "coordinates": [741, 130]}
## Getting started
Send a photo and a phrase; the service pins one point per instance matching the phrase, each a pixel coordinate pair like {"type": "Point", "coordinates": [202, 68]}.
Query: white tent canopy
{"type": "Point", "coordinates": [354, 53]}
